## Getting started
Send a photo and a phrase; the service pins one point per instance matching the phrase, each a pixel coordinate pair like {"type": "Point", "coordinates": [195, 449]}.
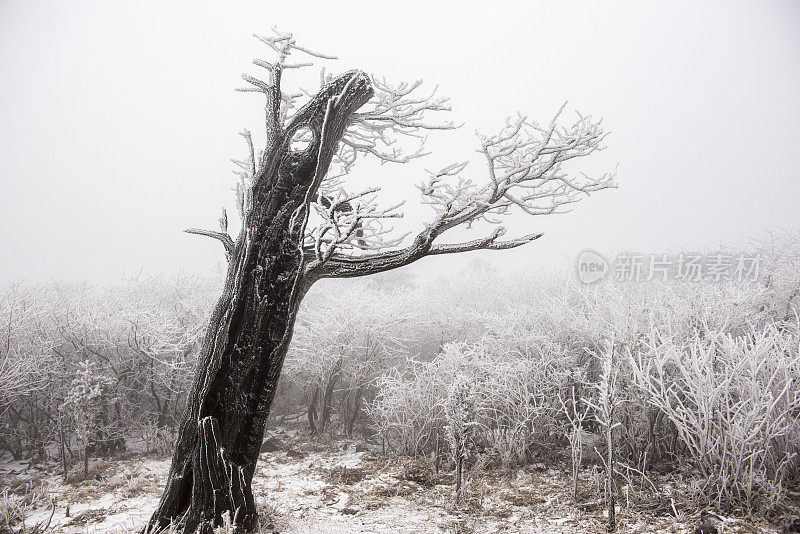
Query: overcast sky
{"type": "Point", "coordinates": [118, 119]}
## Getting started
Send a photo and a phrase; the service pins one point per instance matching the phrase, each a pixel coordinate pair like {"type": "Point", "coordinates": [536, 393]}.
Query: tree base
{"type": "Point", "coordinates": [220, 495]}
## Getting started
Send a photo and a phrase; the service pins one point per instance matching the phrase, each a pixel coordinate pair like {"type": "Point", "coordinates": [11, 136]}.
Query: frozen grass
{"type": "Point", "coordinates": [334, 489]}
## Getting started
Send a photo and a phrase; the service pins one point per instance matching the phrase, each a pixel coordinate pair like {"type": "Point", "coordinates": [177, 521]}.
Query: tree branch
{"type": "Point", "coordinates": [224, 238]}
{"type": "Point", "coordinates": [525, 172]}
{"type": "Point", "coordinates": [527, 167]}
{"type": "Point", "coordinates": [349, 267]}
{"type": "Point", "coordinates": [488, 243]}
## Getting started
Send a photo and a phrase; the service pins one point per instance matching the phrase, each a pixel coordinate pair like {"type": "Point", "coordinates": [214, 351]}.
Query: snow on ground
{"type": "Point", "coordinates": [335, 489]}
{"type": "Point", "coordinates": [117, 496]}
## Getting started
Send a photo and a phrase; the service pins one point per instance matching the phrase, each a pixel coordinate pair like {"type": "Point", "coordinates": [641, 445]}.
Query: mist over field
{"type": "Point", "coordinates": [509, 268]}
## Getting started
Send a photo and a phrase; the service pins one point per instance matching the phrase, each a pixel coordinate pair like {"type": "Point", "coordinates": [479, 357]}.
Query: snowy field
{"type": "Point", "coordinates": [343, 486]}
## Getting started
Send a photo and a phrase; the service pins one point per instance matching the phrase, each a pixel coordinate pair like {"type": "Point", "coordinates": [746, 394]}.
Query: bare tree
{"type": "Point", "coordinates": [278, 254]}
{"type": "Point", "coordinates": [334, 348]}
{"type": "Point", "coordinates": [604, 408]}
{"type": "Point", "coordinates": [575, 418]}
{"type": "Point", "coordinates": [23, 344]}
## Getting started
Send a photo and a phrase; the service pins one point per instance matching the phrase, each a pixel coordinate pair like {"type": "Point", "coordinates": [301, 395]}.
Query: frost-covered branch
{"type": "Point", "coordinates": [487, 243]}
{"type": "Point", "coordinates": [395, 112]}
{"type": "Point", "coordinates": [221, 236]}
{"type": "Point", "coordinates": [279, 103]}
{"type": "Point", "coordinates": [349, 222]}
{"type": "Point", "coordinates": [526, 168]}
{"type": "Point", "coordinates": [526, 172]}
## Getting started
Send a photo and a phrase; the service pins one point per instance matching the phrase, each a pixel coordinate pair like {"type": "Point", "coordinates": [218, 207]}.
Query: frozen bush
{"type": "Point", "coordinates": [515, 399]}
{"type": "Point", "coordinates": [461, 423]}
{"type": "Point", "coordinates": [407, 410]}
{"type": "Point", "coordinates": [86, 401]}
{"type": "Point", "coordinates": [734, 401]}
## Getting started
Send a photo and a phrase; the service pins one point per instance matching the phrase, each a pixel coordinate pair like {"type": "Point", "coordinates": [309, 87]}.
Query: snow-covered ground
{"type": "Point", "coordinates": [338, 488]}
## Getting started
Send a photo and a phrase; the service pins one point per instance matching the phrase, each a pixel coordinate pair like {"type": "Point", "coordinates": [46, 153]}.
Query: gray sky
{"type": "Point", "coordinates": [118, 119]}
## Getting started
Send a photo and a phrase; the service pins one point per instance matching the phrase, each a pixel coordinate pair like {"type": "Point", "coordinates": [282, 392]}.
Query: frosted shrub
{"type": "Point", "coordinates": [461, 425]}
{"type": "Point", "coordinates": [604, 408]}
{"type": "Point", "coordinates": [734, 401]}
{"type": "Point", "coordinates": [25, 363]}
{"type": "Point", "coordinates": [407, 410]}
{"type": "Point", "coordinates": [522, 374]}
{"type": "Point", "coordinates": [335, 349]}
{"type": "Point", "coordinates": [515, 397]}
{"type": "Point", "coordinates": [517, 404]}
{"type": "Point", "coordinates": [575, 419]}
{"type": "Point", "coordinates": [779, 274]}
{"type": "Point", "coordinates": [86, 400]}
{"type": "Point", "coordinates": [24, 344]}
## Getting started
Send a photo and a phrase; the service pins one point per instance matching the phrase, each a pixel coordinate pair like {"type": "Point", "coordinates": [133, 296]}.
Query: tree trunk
{"type": "Point", "coordinates": [612, 520]}
{"type": "Point", "coordinates": [61, 446]}
{"type": "Point", "coordinates": [312, 411]}
{"type": "Point", "coordinates": [353, 416]}
{"type": "Point", "coordinates": [436, 455]}
{"type": "Point", "coordinates": [249, 332]}
{"type": "Point", "coordinates": [459, 467]}
{"type": "Point", "coordinates": [327, 397]}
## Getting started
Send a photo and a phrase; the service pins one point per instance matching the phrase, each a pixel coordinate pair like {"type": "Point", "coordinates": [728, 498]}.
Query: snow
{"type": "Point", "coordinates": [340, 492]}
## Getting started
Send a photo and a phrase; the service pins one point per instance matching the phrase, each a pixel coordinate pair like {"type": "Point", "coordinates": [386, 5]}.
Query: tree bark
{"type": "Point", "coordinates": [436, 455]}
{"type": "Point", "coordinates": [250, 329]}
{"type": "Point", "coordinates": [610, 500]}
{"type": "Point", "coordinates": [312, 411]}
{"type": "Point", "coordinates": [459, 467]}
{"type": "Point", "coordinates": [327, 397]}
{"type": "Point", "coordinates": [353, 416]}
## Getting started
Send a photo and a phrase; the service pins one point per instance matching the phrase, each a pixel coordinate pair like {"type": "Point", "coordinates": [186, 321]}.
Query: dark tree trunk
{"type": "Point", "coordinates": [353, 415]}
{"type": "Point", "coordinates": [312, 411]}
{"type": "Point", "coordinates": [436, 455]}
{"type": "Point", "coordinates": [610, 497]}
{"type": "Point", "coordinates": [61, 446]}
{"type": "Point", "coordinates": [327, 397]}
{"type": "Point", "coordinates": [249, 332]}
{"type": "Point", "coordinates": [459, 467]}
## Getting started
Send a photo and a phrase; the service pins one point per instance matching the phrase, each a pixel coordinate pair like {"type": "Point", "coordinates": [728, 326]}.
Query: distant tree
{"type": "Point", "coordinates": [299, 226]}
{"type": "Point", "coordinates": [459, 411]}
{"type": "Point", "coordinates": [86, 400]}
{"type": "Point", "coordinates": [336, 349]}
{"type": "Point", "coordinates": [23, 343]}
